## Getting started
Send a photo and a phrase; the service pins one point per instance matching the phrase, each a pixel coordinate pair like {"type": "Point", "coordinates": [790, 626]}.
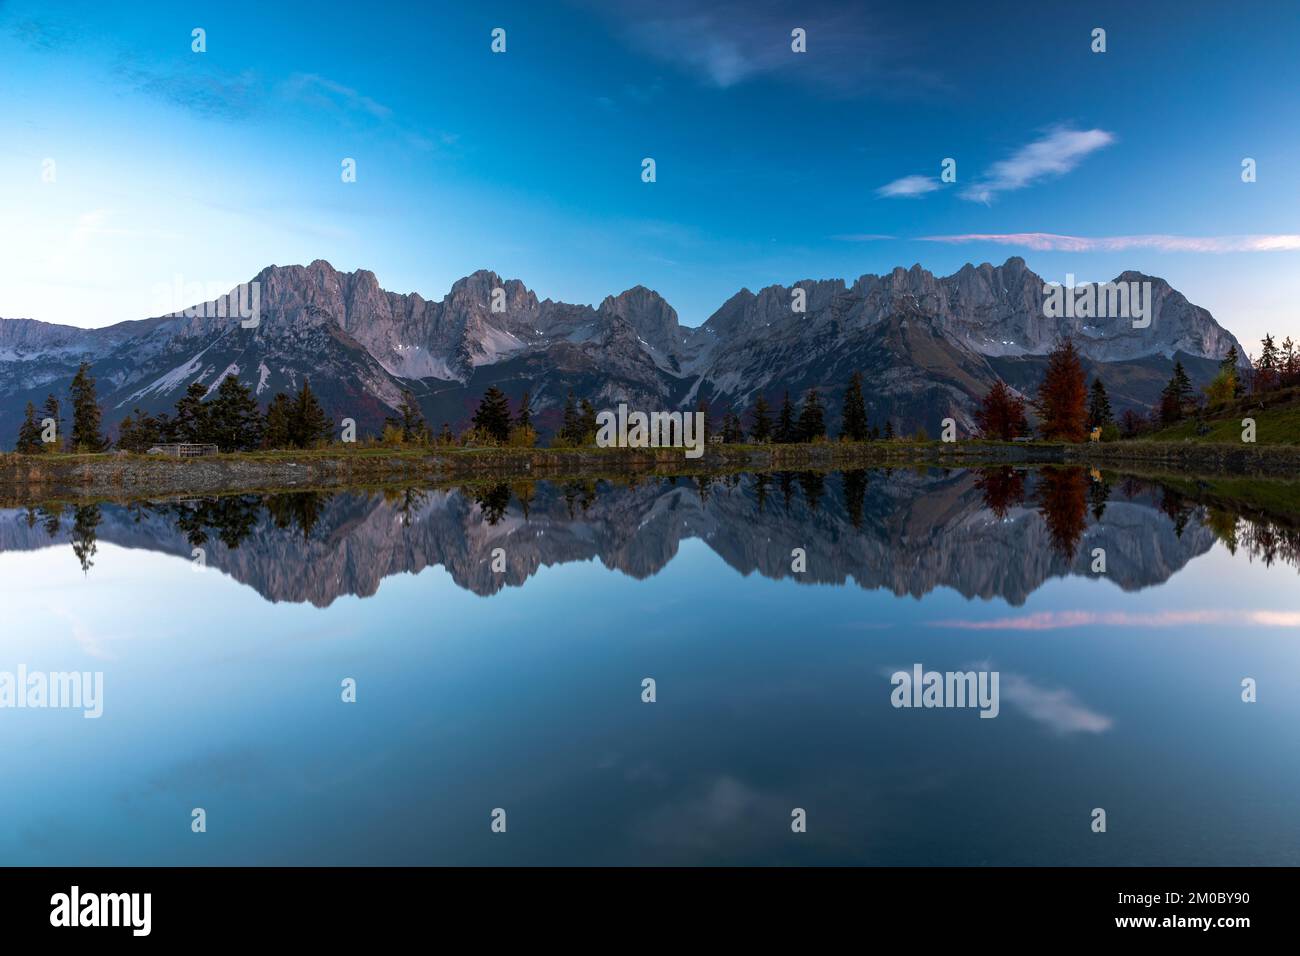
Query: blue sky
{"type": "Point", "coordinates": [772, 166]}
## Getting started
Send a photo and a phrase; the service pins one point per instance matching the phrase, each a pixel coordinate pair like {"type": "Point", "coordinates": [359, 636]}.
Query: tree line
{"type": "Point", "coordinates": [230, 418]}
{"type": "Point", "coordinates": [1068, 408]}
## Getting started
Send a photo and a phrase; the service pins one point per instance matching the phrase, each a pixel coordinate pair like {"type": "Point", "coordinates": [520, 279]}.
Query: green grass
{"type": "Point", "coordinates": [1276, 425]}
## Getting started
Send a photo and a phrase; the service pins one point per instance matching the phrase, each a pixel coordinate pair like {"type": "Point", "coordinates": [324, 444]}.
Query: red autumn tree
{"type": "Point", "coordinates": [1062, 403]}
{"type": "Point", "coordinates": [1002, 488]}
{"type": "Point", "coordinates": [1063, 503]}
{"type": "Point", "coordinates": [1001, 414]}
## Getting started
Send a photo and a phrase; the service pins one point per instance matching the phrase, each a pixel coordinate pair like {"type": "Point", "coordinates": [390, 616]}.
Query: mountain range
{"type": "Point", "coordinates": [929, 347]}
{"type": "Point", "coordinates": [901, 530]}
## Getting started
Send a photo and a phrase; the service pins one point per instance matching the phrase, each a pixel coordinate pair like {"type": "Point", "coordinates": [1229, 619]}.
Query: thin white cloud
{"type": "Point", "coordinates": [321, 91]}
{"type": "Point", "coordinates": [1059, 709]}
{"type": "Point", "coordinates": [908, 187]}
{"type": "Point", "coordinates": [1047, 242]}
{"type": "Point", "coordinates": [1055, 154]}
{"type": "Point", "coordinates": [1059, 620]}
{"type": "Point", "coordinates": [731, 42]}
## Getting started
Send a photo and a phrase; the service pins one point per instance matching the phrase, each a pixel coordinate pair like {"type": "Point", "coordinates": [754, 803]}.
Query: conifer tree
{"type": "Point", "coordinates": [278, 429]}
{"type": "Point", "coordinates": [86, 414]}
{"type": "Point", "coordinates": [854, 425]}
{"type": "Point", "coordinates": [138, 434]}
{"type": "Point", "coordinates": [1267, 365]}
{"type": "Point", "coordinates": [412, 421]}
{"type": "Point", "coordinates": [761, 428]}
{"type": "Point", "coordinates": [191, 424]}
{"type": "Point", "coordinates": [1099, 411]}
{"type": "Point", "coordinates": [1229, 367]}
{"type": "Point", "coordinates": [571, 429]}
{"type": "Point", "coordinates": [493, 415]}
{"type": "Point", "coordinates": [525, 417]}
{"type": "Point", "coordinates": [52, 412]}
{"type": "Point", "coordinates": [1063, 396]}
{"type": "Point", "coordinates": [587, 422]}
{"type": "Point", "coordinates": [234, 421]}
{"type": "Point", "coordinates": [308, 424]}
{"type": "Point", "coordinates": [812, 423]}
{"type": "Point", "coordinates": [785, 426]}
{"type": "Point", "coordinates": [29, 434]}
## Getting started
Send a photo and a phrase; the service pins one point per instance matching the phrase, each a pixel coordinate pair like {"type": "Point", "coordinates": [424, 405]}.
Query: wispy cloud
{"type": "Point", "coordinates": [211, 94]}
{"type": "Point", "coordinates": [1047, 241]}
{"type": "Point", "coordinates": [1059, 620]}
{"type": "Point", "coordinates": [44, 35]}
{"type": "Point", "coordinates": [1054, 154]}
{"type": "Point", "coordinates": [735, 41]}
{"type": "Point", "coordinates": [909, 187]}
{"type": "Point", "coordinates": [1060, 710]}
{"type": "Point", "coordinates": [322, 92]}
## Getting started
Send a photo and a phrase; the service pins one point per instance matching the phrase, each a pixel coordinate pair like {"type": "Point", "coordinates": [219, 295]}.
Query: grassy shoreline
{"type": "Point", "coordinates": [338, 466]}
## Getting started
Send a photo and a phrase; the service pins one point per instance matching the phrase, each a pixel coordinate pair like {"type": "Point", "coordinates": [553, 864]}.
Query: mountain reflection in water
{"type": "Point", "coordinates": [996, 532]}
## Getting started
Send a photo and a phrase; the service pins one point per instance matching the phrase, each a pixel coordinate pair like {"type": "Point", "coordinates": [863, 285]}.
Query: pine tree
{"type": "Point", "coordinates": [1170, 409]}
{"type": "Point", "coordinates": [812, 423]}
{"type": "Point", "coordinates": [731, 430]}
{"type": "Point", "coordinates": [412, 422]}
{"type": "Point", "coordinates": [785, 427]}
{"type": "Point", "coordinates": [52, 412]}
{"type": "Point", "coordinates": [192, 422]}
{"type": "Point", "coordinates": [138, 434]}
{"type": "Point", "coordinates": [571, 429]}
{"type": "Point", "coordinates": [445, 437]}
{"type": "Point", "coordinates": [1267, 365]}
{"type": "Point", "coordinates": [234, 421]}
{"type": "Point", "coordinates": [1176, 395]}
{"type": "Point", "coordinates": [889, 429]}
{"type": "Point", "coordinates": [1099, 411]}
{"type": "Point", "coordinates": [278, 429]}
{"type": "Point", "coordinates": [1230, 367]}
{"type": "Point", "coordinates": [1229, 363]}
{"type": "Point", "coordinates": [29, 434]}
{"type": "Point", "coordinates": [761, 429]}
{"type": "Point", "coordinates": [1063, 396]}
{"type": "Point", "coordinates": [1182, 384]}
{"type": "Point", "coordinates": [1289, 364]}
{"type": "Point", "coordinates": [525, 417]}
{"type": "Point", "coordinates": [587, 422]}
{"type": "Point", "coordinates": [492, 417]}
{"type": "Point", "coordinates": [308, 423]}
{"type": "Point", "coordinates": [854, 425]}
{"type": "Point", "coordinates": [86, 414]}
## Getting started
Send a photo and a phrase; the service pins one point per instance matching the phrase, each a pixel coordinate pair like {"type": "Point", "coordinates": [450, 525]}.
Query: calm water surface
{"type": "Point", "coordinates": [224, 629]}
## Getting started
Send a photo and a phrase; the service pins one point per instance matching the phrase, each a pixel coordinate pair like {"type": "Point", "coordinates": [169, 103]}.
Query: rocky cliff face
{"type": "Point", "coordinates": [929, 347]}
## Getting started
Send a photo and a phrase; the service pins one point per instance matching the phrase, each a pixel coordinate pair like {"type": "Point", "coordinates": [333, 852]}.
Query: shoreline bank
{"type": "Point", "coordinates": [141, 475]}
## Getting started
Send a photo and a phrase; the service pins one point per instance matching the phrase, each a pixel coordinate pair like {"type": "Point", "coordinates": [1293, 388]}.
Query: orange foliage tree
{"type": "Point", "coordinates": [1062, 403]}
{"type": "Point", "coordinates": [1001, 414]}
